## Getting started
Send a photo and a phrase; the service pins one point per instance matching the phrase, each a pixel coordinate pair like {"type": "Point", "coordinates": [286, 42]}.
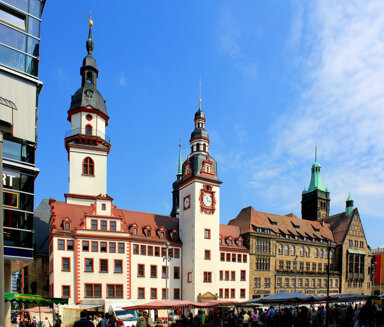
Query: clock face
{"type": "Point", "coordinates": [207, 200]}
{"type": "Point", "coordinates": [186, 202]}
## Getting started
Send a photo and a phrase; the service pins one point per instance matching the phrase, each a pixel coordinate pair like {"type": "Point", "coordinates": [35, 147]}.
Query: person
{"type": "Point", "coordinates": [105, 321]}
{"type": "Point", "coordinates": [83, 321]}
{"type": "Point", "coordinates": [34, 322]}
{"type": "Point", "coordinates": [141, 321]}
{"type": "Point", "coordinates": [197, 319]}
{"type": "Point", "coordinates": [271, 313]}
{"type": "Point", "coordinates": [58, 320]}
{"type": "Point", "coordinates": [246, 318]}
{"type": "Point", "coordinates": [95, 320]}
{"type": "Point", "coordinates": [231, 318]}
{"type": "Point", "coordinates": [46, 323]}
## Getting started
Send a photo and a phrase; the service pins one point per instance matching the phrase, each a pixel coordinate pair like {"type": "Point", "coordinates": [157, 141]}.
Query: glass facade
{"type": "Point", "coordinates": [20, 34]}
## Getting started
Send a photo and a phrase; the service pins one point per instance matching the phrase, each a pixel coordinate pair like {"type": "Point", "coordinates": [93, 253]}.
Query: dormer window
{"type": "Point", "coordinates": [230, 242]}
{"type": "Point", "coordinates": [220, 241]}
{"type": "Point", "coordinates": [103, 206]}
{"type": "Point", "coordinates": [207, 169]}
{"type": "Point", "coordinates": [148, 232]}
{"type": "Point", "coordinates": [187, 170]}
{"type": "Point", "coordinates": [135, 231]}
{"type": "Point", "coordinates": [240, 243]}
{"type": "Point", "coordinates": [162, 234]}
{"type": "Point", "coordinates": [67, 225]}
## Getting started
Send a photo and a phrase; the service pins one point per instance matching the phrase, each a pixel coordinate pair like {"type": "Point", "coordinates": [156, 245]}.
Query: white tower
{"type": "Point", "coordinates": [86, 143]}
{"type": "Point", "coordinates": [200, 217]}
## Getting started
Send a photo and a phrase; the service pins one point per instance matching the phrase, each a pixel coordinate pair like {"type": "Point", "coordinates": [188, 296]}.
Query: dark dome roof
{"type": "Point", "coordinates": [88, 96]}
{"type": "Point", "coordinates": [199, 132]}
{"type": "Point", "coordinates": [89, 61]}
{"type": "Point", "coordinates": [199, 114]}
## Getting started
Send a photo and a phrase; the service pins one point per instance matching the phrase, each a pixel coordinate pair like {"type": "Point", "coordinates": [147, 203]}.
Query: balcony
{"type": "Point", "coordinates": [82, 132]}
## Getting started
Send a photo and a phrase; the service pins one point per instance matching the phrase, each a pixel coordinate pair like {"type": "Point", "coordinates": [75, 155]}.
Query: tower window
{"type": "Point", "coordinates": [204, 147]}
{"type": "Point", "coordinates": [89, 78]}
{"type": "Point", "coordinates": [88, 167]}
{"type": "Point", "coordinates": [88, 117]}
{"type": "Point", "coordinates": [88, 130]}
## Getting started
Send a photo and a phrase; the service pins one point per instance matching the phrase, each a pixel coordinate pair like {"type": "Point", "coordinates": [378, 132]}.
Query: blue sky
{"type": "Point", "coordinates": [277, 78]}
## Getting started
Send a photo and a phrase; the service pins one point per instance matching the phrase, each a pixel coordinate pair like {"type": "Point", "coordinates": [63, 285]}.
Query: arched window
{"type": "Point", "coordinates": [204, 147]}
{"type": "Point", "coordinates": [293, 252]}
{"type": "Point", "coordinates": [321, 254]}
{"type": "Point", "coordinates": [88, 130]}
{"type": "Point", "coordinates": [286, 250]}
{"type": "Point", "coordinates": [307, 252]}
{"type": "Point", "coordinates": [88, 166]}
{"type": "Point", "coordinates": [301, 252]}
{"type": "Point", "coordinates": [280, 249]}
{"type": "Point", "coordinates": [316, 253]}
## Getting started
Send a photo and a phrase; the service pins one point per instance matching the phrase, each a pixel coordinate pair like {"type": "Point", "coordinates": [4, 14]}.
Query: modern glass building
{"type": "Point", "coordinates": [20, 22]}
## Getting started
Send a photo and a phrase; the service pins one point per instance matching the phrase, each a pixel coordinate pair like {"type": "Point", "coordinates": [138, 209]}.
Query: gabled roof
{"type": "Point", "coordinates": [76, 213]}
{"type": "Point", "coordinates": [249, 220]}
{"type": "Point", "coordinates": [233, 232]}
{"type": "Point", "coordinates": [339, 224]}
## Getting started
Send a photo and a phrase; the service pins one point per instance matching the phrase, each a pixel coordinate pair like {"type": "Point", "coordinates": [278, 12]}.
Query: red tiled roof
{"type": "Point", "coordinates": [61, 210]}
{"type": "Point", "coordinates": [230, 231]}
{"type": "Point", "coordinates": [340, 225]}
{"type": "Point", "coordinates": [249, 220]}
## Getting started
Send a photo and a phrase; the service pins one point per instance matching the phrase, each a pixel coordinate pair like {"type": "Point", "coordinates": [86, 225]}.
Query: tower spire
{"type": "Point", "coordinates": [180, 163]}
{"type": "Point", "coordinates": [200, 95]}
{"type": "Point", "coordinates": [90, 45]}
{"type": "Point", "coordinates": [315, 153]}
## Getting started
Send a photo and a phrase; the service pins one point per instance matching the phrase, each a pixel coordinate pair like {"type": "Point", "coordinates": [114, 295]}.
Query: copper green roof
{"type": "Point", "coordinates": [180, 164]}
{"type": "Point", "coordinates": [316, 182]}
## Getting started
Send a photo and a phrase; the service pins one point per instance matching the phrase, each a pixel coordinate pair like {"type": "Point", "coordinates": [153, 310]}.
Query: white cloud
{"type": "Point", "coordinates": [231, 39]}
{"type": "Point", "coordinates": [122, 80]}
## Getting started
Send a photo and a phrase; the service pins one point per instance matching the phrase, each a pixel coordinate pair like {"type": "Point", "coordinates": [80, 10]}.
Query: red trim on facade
{"type": "Point", "coordinates": [150, 271]}
{"type": "Point", "coordinates": [140, 265]}
{"type": "Point", "coordinates": [207, 189]}
{"type": "Point", "coordinates": [207, 231]}
{"type": "Point", "coordinates": [114, 291]}
{"type": "Point", "coordinates": [138, 292]}
{"type": "Point", "coordinates": [77, 271]}
{"type": "Point", "coordinates": [129, 272]}
{"type": "Point", "coordinates": [93, 290]}
{"type": "Point", "coordinates": [85, 265]}
{"type": "Point", "coordinates": [207, 254]}
{"type": "Point", "coordinates": [100, 266]}
{"type": "Point", "coordinates": [174, 293]}
{"type": "Point", "coordinates": [62, 264]}
{"type": "Point", "coordinates": [62, 291]}
{"type": "Point", "coordinates": [90, 110]}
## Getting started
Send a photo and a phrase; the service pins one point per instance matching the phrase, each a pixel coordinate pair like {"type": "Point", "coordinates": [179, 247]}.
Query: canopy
{"type": "Point", "coordinates": [39, 309]}
{"type": "Point", "coordinates": [33, 298]}
{"type": "Point", "coordinates": [157, 305]}
{"type": "Point", "coordinates": [281, 297]}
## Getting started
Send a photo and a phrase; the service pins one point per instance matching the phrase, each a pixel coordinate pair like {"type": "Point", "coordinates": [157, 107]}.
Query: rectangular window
{"type": "Point", "coordinates": [140, 270]}
{"type": "Point", "coordinates": [150, 250]}
{"type": "Point", "coordinates": [112, 226]}
{"type": "Point", "coordinates": [177, 253]}
{"type": "Point", "coordinates": [61, 244]}
{"type": "Point", "coordinates": [157, 251]}
{"type": "Point", "coordinates": [93, 224]}
{"type": "Point", "coordinates": [93, 290]}
{"type": "Point", "coordinates": [95, 246]}
{"type": "Point", "coordinates": [176, 272]}
{"type": "Point", "coordinates": [233, 257]}
{"type": "Point", "coordinates": [257, 282]}
{"type": "Point", "coordinates": [67, 225]}
{"type": "Point", "coordinates": [242, 293]}
{"type": "Point", "coordinates": [69, 245]}
{"type": "Point", "coordinates": [320, 267]}
{"type": "Point", "coordinates": [189, 277]}
{"type": "Point", "coordinates": [307, 266]}
{"type": "Point", "coordinates": [301, 265]}
{"type": "Point", "coordinates": [170, 253]}
{"type": "Point", "coordinates": [103, 225]}
{"type": "Point", "coordinates": [233, 275]}
{"type": "Point", "coordinates": [232, 293]}
{"type": "Point", "coordinates": [207, 233]}
{"type": "Point", "coordinates": [286, 282]}
{"type": "Point", "coordinates": [226, 275]}
{"type": "Point", "coordinates": [267, 282]}
{"type": "Point", "coordinates": [115, 291]}
{"type": "Point", "coordinates": [281, 264]}
{"type": "Point", "coordinates": [143, 250]}
{"type": "Point", "coordinates": [279, 282]}
{"type": "Point", "coordinates": [153, 293]}
{"type": "Point", "coordinates": [288, 265]}
{"type": "Point", "coordinates": [121, 247]}
{"type": "Point", "coordinates": [140, 293]}
{"type": "Point", "coordinates": [85, 246]}
{"type": "Point", "coordinates": [89, 265]}
{"type": "Point", "coordinates": [65, 264]}
{"type": "Point", "coordinates": [112, 247]}
{"type": "Point", "coordinates": [135, 249]}
{"type": "Point", "coordinates": [220, 293]}
{"type": "Point", "coordinates": [242, 275]}
{"type": "Point", "coordinates": [103, 206]}
{"type": "Point", "coordinates": [228, 257]}
{"type": "Point", "coordinates": [153, 271]}
{"type": "Point", "coordinates": [118, 266]}
{"type": "Point", "coordinates": [176, 293]}
{"type": "Point", "coordinates": [207, 255]}
{"type": "Point", "coordinates": [244, 258]}
{"type": "Point", "coordinates": [221, 275]}
{"type": "Point", "coordinates": [164, 272]}
{"type": "Point", "coordinates": [314, 266]}
{"type": "Point", "coordinates": [239, 258]}
{"type": "Point", "coordinates": [226, 293]}
{"type": "Point", "coordinates": [103, 265]}
{"type": "Point", "coordinates": [207, 277]}
{"type": "Point", "coordinates": [222, 256]}
{"type": "Point", "coordinates": [103, 246]}
{"type": "Point", "coordinates": [306, 283]}
{"type": "Point", "coordinates": [66, 291]}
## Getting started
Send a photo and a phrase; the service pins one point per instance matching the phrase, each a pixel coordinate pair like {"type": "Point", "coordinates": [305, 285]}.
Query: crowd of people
{"type": "Point", "coordinates": [24, 320]}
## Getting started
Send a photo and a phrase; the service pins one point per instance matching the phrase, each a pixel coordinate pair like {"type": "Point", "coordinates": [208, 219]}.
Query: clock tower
{"type": "Point", "coordinates": [315, 201]}
{"type": "Point", "coordinates": [86, 142]}
{"type": "Point", "coordinates": [199, 200]}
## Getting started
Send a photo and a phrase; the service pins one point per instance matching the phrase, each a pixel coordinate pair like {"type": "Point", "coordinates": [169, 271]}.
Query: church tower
{"type": "Point", "coordinates": [199, 201]}
{"type": "Point", "coordinates": [315, 201]}
{"type": "Point", "coordinates": [175, 186]}
{"type": "Point", "coordinates": [86, 143]}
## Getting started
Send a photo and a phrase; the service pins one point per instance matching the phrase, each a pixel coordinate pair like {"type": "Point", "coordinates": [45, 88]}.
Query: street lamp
{"type": "Point", "coordinates": [296, 257]}
{"type": "Point", "coordinates": [329, 249]}
{"type": "Point", "coordinates": [166, 258]}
